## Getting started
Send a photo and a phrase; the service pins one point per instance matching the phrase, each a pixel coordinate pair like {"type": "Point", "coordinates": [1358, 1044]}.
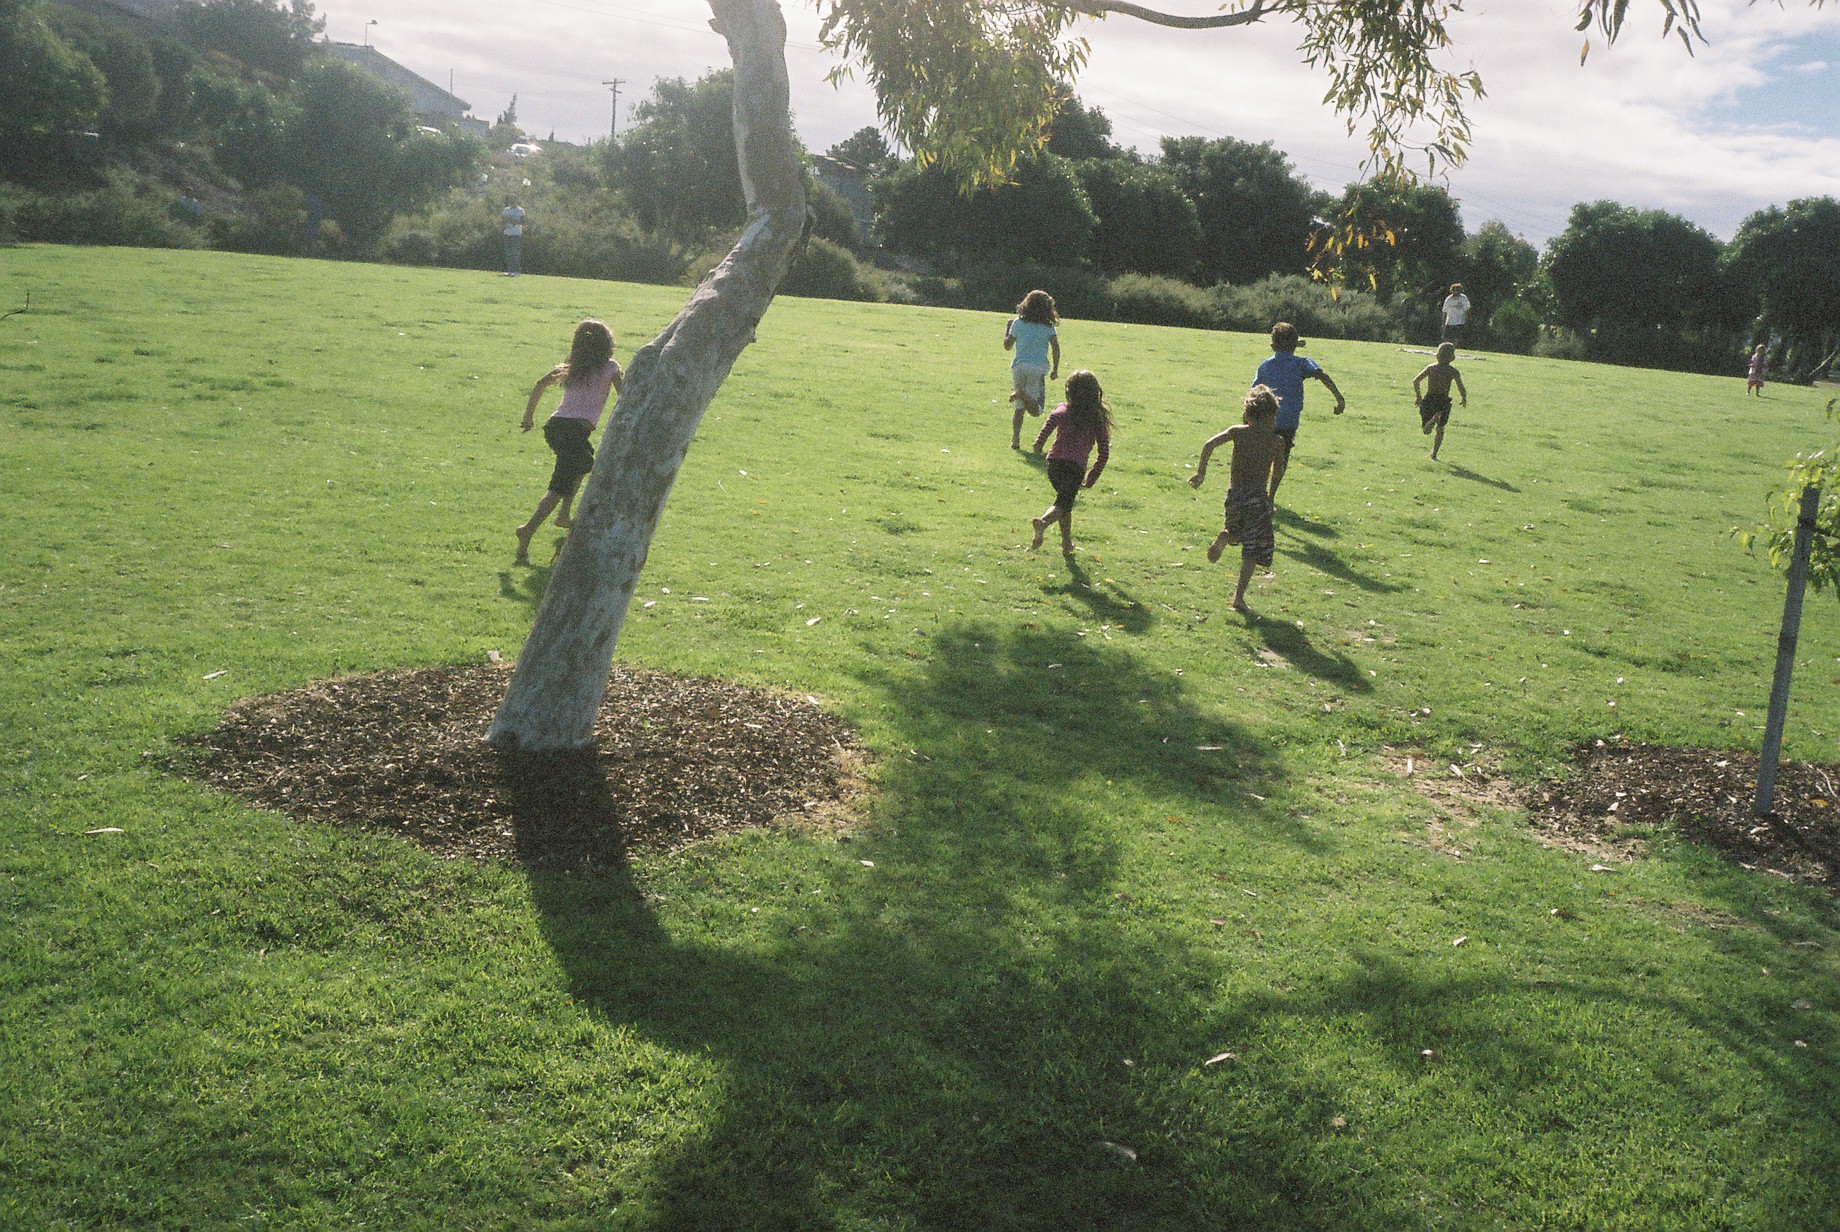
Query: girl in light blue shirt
{"type": "Point", "coordinates": [1031, 334]}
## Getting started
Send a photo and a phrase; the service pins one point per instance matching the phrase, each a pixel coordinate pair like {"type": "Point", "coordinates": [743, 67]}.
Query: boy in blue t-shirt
{"type": "Point", "coordinates": [1284, 375]}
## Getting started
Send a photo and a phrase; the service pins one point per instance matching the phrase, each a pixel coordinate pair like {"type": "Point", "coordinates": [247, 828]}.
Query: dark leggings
{"type": "Point", "coordinates": [1065, 474]}
{"type": "Point", "coordinates": [574, 456]}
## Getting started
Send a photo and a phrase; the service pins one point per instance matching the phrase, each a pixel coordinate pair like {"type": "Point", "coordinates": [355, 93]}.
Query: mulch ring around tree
{"type": "Point", "coordinates": [1705, 795]}
{"type": "Point", "coordinates": [675, 760]}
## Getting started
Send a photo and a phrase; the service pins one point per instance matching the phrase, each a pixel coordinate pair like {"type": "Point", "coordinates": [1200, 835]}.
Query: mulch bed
{"type": "Point", "coordinates": [1706, 795]}
{"type": "Point", "coordinates": [677, 760]}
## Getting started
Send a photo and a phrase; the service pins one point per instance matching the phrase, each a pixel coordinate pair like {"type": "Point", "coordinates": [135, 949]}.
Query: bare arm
{"type": "Point", "coordinates": [536, 395]}
{"type": "Point", "coordinates": [1460, 390]}
{"type": "Point", "coordinates": [1207, 451]}
{"type": "Point", "coordinates": [1418, 383]}
{"type": "Point", "coordinates": [1009, 339]}
{"type": "Point", "coordinates": [1054, 349]}
{"type": "Point", "coordinates": [1341, 403]}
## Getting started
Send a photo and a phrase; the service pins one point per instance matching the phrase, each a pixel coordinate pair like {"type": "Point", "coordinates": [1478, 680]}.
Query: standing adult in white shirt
{"type": "Point", "coordinates": [514, 238]}
{"type": "Point", "coordinates": [1456, 312]}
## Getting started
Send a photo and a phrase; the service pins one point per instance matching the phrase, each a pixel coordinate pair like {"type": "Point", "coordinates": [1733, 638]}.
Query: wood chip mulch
{"type": "Point", "coordinates": [1706, 795]}
{"type": "Point", "coordinates": [675, 760]}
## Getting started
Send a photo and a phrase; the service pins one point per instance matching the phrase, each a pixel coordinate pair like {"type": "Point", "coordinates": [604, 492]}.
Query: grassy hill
{"type": "Point", "coordinates": [1117, 830]}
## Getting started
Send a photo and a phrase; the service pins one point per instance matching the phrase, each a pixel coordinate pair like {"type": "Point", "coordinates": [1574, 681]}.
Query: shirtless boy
{"type": "Point", "coordinates": [1431, 390]}
{"type": "Point", "coordinates": [1257, 448]}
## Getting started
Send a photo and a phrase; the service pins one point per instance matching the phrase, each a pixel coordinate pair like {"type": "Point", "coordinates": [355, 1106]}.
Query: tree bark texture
{"type": "Point", "coordinates": [561, 674]}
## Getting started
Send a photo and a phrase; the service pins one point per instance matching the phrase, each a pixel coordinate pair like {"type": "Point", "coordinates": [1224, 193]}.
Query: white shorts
{"type": "Point", "coordinates": [1031, 381]}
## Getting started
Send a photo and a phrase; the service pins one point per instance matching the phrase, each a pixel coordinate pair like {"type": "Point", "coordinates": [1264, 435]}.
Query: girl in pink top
{"type": "Point", "coordinates": [1078, 425]}
{"type": "Point", "coordinates": [588, 375]}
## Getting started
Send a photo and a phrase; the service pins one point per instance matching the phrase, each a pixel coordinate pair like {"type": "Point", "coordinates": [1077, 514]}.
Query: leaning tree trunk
{"type": "Point", "coordinates": [561, 675]}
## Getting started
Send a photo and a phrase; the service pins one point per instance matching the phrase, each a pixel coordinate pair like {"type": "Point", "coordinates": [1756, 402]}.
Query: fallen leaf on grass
{"type": "Point", "coordinates": [1218, 1057]}
{"type": "Point", "coordinates": [215, 675]}
{"type": "Point", "coordinates": [1460, 940]}
{"type": "Point", "coordinates": [1124, 1152]}
{"type": "Point", "coordinates": [107, 830]}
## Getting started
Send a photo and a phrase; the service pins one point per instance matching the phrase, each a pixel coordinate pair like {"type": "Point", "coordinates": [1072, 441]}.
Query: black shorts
{"type": "Point", "coordinates": [574, 456]}
{"type": "Point", "coordinates": [1065, 474]}
{"type": "Point", "coordinates": [1434, 410]}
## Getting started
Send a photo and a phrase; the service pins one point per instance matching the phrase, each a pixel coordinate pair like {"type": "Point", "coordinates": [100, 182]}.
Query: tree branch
{"type": "Point", "coordinates": [1101, 8]}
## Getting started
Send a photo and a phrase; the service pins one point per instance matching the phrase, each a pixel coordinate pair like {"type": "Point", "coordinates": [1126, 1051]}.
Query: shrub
{"type": "Point", "coordinates": [1146, 299]}
{"type": "Point", "coordinates": [1515, 326]}
{"type": "Point", "coordinates": [999, 288]}
{"type": "Point", "coordinates": [273, 221]}
{"type": "Point", "coordinates": [412, 247]}
{"type": "Point", "coordinates": [1312, 307]}
{"type": "Point", "coordinates": [1560, 343]}
{"type": "Point", "coordinates": [826, 271]}
{"type": "Point", "coordinates": [119, 212]}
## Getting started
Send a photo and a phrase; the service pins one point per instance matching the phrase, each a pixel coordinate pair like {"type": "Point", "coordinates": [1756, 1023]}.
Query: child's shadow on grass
{"type": "Point", "coordinates": [1108, 602]}
{"type": "Point", "coordinates": [1291, 644]}
{"type": "Point", "coordinates": [1291, 520]}
{"type": "Point", "coordinates": [1325, 561]}
{"type": "Point", "coordinates": [1463, 472]}
{"type": "Point", "coordinates": [927, 998]}
{"type": "Point", "coordinates": [524, 583]}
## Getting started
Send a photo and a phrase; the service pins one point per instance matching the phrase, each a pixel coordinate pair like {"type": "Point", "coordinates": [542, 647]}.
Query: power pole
{"type": "Point", "coordinates": [614, 124]}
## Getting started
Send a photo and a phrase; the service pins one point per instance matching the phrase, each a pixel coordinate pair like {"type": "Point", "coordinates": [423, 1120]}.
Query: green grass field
{"type": "Point", "coordinates": [1116, 831]}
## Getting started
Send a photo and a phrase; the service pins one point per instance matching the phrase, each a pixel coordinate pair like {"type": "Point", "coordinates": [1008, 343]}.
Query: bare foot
{"type": "Point", "coordinates": [523, 534]}
{"type": "Point", "coordinates": [564, 521]}
{"type": "Point", "coordinates": [1220, 544]}
{"type": "Point", "coordinates": [1239, 605]}
{"type": "Point", "coordinates": [1039, 526]}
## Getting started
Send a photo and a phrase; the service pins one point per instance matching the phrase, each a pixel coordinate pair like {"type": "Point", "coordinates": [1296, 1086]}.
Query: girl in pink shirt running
{"type": "Point", "coordinates": [588, 375]}
{"type": "Point", "coordinates": [1080, 424]}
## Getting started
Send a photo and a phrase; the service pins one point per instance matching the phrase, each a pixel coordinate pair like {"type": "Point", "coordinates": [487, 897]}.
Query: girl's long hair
{"type": "Point", "coordinates": [588, 353]}
{"type": "Point", "coordinates": [1086, 404]}
{"type": "Point", "coordinates": [1037, 307]}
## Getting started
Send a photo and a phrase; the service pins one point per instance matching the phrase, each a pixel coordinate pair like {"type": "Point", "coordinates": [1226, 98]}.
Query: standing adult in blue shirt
{"type": "Point", "coordinates": [1284, 373]}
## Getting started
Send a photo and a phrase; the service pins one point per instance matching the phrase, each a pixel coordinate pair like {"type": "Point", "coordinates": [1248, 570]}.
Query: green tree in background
{"type": "Point", "coordinates": [350, 145]}
{"type": "Point", "coordinates": [1498, 270]}
{"type": "Point", "coordinates": [1042, 216]}
{"type": "Point", "coordinates": [676, 164]}
{"type": "Point", "coordinates": [1645, 287]}
{"type": "Point", "coordinates": [1080, 132]}
{"type": "Point", "coordinates": [264, 35]}
{"type": "Point", "coordinates": [1146, 223]}
{"type": "Point", "coordinates": [126, 63]}
{"type": "Point", "coordinates": [1421, 252]}
{"type": "Point", "coordinates": [47, 86]}
{"type": "Point", "coordinates": [865, 149]}
{"type": "Point", "coordinates": [1256, 215]}
{"type": "Point", "coordinates": [1789, 261]}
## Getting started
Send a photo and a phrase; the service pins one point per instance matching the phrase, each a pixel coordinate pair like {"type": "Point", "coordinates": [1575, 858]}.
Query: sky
{"type": "Point", "coordinates": [1750, 120]}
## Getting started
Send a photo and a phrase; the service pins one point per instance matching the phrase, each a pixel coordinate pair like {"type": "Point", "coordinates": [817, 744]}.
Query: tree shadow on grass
{"type": "Point", "coordinates": [1431, 1031]}
{"type": "Point", "coordinates": [938, 1035]}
